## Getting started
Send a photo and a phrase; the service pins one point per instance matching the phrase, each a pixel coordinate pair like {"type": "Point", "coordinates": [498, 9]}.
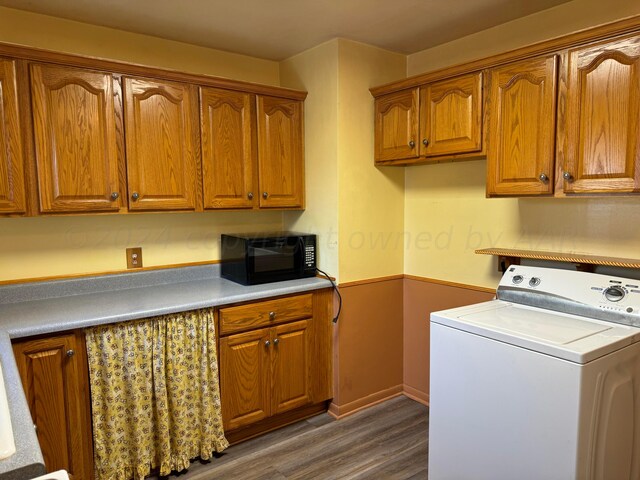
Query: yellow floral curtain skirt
{"type": "Point", "coordinates": [154, 393]}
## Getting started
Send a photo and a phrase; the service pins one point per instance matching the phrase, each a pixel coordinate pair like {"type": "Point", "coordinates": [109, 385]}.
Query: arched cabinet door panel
{"type": "Point", "coordinates": [228, 154]}
{"type": "Point", "coordinates": [162, 144]}
{"type": "Point", "coordinates": [76, 143]}
{"type": "Point", "coordinates": [451, 116]}
{"type": "Point", "coordinates": [280, 152]}
{"type": "Point", "coordinates": [521, 122]}
{"type": "Point", "coordinates": [601, 147]}
{"type": "Point", "coordinates": [396, 126]}
{"type": "Point", "coordinates": [12, 192]}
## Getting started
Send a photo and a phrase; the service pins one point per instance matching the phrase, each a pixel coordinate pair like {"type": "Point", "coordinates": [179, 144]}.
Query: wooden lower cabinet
{"type": "Point", "coordinates": [264, 372]}
{"type": "Point", "coordinates": [56, 383]}
{"type": "Point", "coordinates": [275, 368]}
{"type": "Point", "coordinates": [267, 371]}
{"type": "Point", "coordinates": [244, 373]}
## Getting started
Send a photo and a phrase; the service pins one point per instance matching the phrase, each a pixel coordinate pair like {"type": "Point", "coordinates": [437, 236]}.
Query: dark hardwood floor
{"type": "Point", "coordinates": [387, 442]}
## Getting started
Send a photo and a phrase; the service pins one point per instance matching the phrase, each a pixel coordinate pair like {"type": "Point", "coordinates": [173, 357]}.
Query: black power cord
{"type": "Point", "coordinates": [335, 287]}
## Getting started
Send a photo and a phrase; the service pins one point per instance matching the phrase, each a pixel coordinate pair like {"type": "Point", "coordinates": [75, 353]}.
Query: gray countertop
{"type": "Point", "coordinates": [56, 306]}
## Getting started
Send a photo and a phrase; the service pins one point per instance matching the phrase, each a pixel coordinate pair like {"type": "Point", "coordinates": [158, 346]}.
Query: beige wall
{"type": "Point", "coordinates": [446, 212]}
{"type": "Point", "coordinates": [356, 209]}
{"type": "Point", "coordinates": [45, 246]}
{"type": "Point", "coordinates": [370, 200]}
{"type": "Point", "coordinates": [51, 33]}
{"type": "Point", "coordinates": [554, 22]}
{"type": "Point", "coordinates": [316, 71]}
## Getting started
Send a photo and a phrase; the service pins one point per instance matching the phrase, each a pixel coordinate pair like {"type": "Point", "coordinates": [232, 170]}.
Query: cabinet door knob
{"type": "Point", "coordinates": [567, 176]}
{"type": "Point", "coordinates": [425, 142]}
{"type": "Point", "coordinates": [276, 341]}
{"type": "Point", "coordinates": [272, 315]}
{"type": "Point", "coordinates": [412, 143]}
{"type": "Point", "coordinates": [267, 343]}
{"type": "Point", "coordinates": [543, 178]}
{"type": "Point", "coordinates": [70, 353]}
{"type": "Point", "coordinates": [250, 195]}
{"type": "Point", "coordinates": [265, 194]}
{"type": "Point", "coordinates": [135, 196]}
{"type": "Point", "coordinates": [114, 195]}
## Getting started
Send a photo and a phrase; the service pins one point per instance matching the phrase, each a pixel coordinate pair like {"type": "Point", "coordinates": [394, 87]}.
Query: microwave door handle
{"type": "Point", "coordinates": [300, 253]}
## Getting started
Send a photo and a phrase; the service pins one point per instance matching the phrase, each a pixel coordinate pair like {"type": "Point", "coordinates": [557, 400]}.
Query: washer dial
{"type": "Point", "coordinates": [614, 294]}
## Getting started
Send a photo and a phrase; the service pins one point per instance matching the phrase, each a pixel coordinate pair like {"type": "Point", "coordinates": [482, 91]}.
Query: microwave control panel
{"type": "Point", "coordinates": [310, 256]}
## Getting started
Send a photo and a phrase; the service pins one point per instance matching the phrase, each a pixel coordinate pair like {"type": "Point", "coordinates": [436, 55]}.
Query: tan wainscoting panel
{"type": "Point", "coordinates": [368, 349]}
{"type": "Point", "coordinates": [421, 298]}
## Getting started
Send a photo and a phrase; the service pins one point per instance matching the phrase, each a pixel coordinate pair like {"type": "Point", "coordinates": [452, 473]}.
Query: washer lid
{"type": "Point", "coordinates": [573, 338]}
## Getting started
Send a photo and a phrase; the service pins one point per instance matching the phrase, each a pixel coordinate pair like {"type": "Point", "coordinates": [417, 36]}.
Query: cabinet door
{"type": "Point", "coordinates": [290, 360]}
{"type": "Point", "coordinates": [521, 138]}
{"type": "Point", "coordinates": [161, 124]}
{"type": "Point", "coordinates": [280, 152]}
{"type": "Point", "coordinates": [56, 383]}
{"type": "Point", "coordinates": [12, 196]}
{"type": "Point", "coordinates": [602, 125]}
{"type": "Point", "coordinates": [451, 116]}
{"type": "Point", "coordinates": [227, 152]}
{"type": "Point", "coordinates": [396, 126]}
{"type": "Point", "coordinates": [75, 139]}
{"type": "Point", "coordinates": [244, 378]}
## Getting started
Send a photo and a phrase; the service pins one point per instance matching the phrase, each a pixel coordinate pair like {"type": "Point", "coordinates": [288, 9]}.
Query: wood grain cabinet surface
{"type": "Point", "coordinates": [268, 371]}
{"type": "Point", "coordinates": [280, 152]}
{"type": "Point", "coordinates": [252, 150]}
{"type": "Point", "coordinates": [228, 152]}
{"type": "Point", "coordinates": [451, 116]}
{"type": "Point", "coordinates": [162, 144]}
{"type": "Point", "coordinates": [396, 126]}
{"type": "Point", "coordinates": [245, 378]}
{"type": "Point", "coordinates": [12, 180]}
{"type": "Point", "coordinates": [521, 122]}
{"type": "Point", "coordinates": [601, 144]}
{"type": "Point", "coordinates": [76, 145]}
{"type": "Point", "coordinates": [55, 379]}
{"type": "Point", "coordinates": [436, 121]}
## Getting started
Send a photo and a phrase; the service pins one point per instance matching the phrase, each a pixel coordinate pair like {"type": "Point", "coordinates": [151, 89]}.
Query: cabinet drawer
{"type": "Point", "coordinates": [271, 312]}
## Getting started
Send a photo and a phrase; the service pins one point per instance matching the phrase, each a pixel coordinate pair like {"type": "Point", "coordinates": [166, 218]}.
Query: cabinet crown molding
{"type": "Point", "coordinates": [127, 68]}
{"type": "Point", "coordinates": [554, 45]}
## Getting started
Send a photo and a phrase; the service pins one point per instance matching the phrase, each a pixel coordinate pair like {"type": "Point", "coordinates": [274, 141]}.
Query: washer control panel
{"type": "Point", "coordinates": [603, 292]}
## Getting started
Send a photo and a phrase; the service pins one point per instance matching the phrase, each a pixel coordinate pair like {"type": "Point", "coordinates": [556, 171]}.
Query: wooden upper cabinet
{"type": "Point", "coordinates": [451, 116]}
{"type": "Point", "coordinates": [521, 120]}
{"type": "Point", "coordinates": [12, 192]}
{"type": "Point", "coordinates": [55, 379]}
{"type": "Point", "coordinates": [602, 125]}
{"type": "Point", "coordinates": [280, 152]}
{"type": "Point", "coordinates": [228, 159]}
{"type": "Point", "coordinates": [162, 144]}
{"type": "Point", "coordinates": [75, 139]}
{"type": "Point", "coordinates": [396, 126]}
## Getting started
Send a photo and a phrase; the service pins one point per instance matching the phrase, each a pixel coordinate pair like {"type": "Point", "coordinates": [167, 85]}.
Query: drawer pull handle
{"type": "Point", "coordinates": [70, 353]}
{"type": "Point", "coordinates": [267, 343]}
{"type": "Point", "coordinates": [276, 341]}
{"type": "Point", "coordinates": [272, 315]}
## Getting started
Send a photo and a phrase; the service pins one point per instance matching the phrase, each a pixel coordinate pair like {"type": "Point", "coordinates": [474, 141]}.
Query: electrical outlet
{"type": "Point", "coordinates": [134, 257]}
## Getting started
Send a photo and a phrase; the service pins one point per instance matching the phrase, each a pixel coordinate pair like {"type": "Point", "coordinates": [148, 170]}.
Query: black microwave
{"type": "Point", "coordinates": [251, 259]}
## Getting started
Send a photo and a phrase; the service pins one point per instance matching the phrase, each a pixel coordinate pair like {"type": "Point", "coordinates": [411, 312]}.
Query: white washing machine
{"type": "Point", "coordinates": [542, 383]}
